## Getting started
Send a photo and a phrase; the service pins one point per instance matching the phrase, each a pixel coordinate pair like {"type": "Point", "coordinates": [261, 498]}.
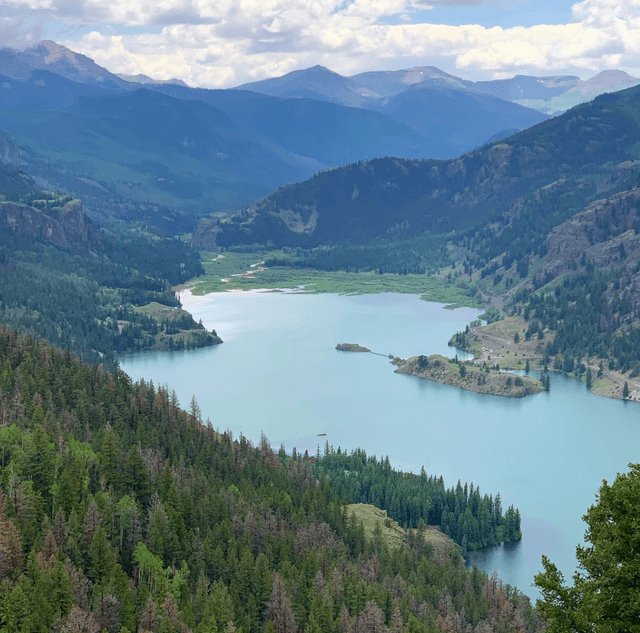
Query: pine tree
{"type": "Point", "coordinates": [102, 557]}
{"type": "Point", "coordinates": [625, 391]}
{"type": "Point", "coordinates": [604, 595]}
{"type": "Point", "coordinates": [280, 611]}
{"type": "Point", "coordinates": [10, 545]}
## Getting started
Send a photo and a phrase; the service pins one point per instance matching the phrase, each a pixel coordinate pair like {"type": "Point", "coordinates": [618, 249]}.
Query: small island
{"type": "Point", "coordinates": [351, 347]}
{"type": "Point", "coordinates": [468, 376]}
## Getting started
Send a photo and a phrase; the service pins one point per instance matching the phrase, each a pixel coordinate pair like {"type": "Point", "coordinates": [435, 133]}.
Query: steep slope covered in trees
{"type": "Point", "coordinates": [81, 287]}
{"type": "Point", "coordinates": [391, 199]}
{"type": "Point", "coordinates": [577, 284]}
{"type": "Point", "coordinates": [120, 511]}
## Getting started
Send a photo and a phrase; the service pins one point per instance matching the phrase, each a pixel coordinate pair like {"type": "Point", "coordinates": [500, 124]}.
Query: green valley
{"type": "Point", "coordinates": [232, 270]}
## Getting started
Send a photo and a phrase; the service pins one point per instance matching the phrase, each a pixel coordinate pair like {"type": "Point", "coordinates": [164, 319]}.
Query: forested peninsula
{"type": "Point", "coordinates": [120, 511]}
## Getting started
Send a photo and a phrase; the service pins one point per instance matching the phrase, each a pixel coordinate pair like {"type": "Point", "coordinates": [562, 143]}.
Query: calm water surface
{"type": "Point", "coordinates": [278, 372]}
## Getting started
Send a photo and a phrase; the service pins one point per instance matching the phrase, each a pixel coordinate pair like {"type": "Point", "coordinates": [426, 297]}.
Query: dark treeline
{"type": "Point", "coordinates": [51, 293]}
{"type": "Point", "coordinates": [119, 511]}
{"type": "Point", "coordinates": [472, 520]}
{"type": "Point", "coordinates": [417, 256]}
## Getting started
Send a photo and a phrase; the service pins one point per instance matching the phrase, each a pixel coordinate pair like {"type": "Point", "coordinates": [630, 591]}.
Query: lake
{"type": "Point", "coordinates": [278, 372]}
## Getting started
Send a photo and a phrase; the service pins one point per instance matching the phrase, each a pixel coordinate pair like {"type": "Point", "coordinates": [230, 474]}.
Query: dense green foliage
{"type": "Point", "coordinates": [120, 511]}
{"type": "Point", "coordinates": [79, 289]}
{"type": "Point", "coordinates": [472, 520]}
{"type": "Point", "coordinates": [605, 597]}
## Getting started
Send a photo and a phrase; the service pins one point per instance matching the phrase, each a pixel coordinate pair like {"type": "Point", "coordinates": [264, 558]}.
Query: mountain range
{"type": "Point", "coordinates": [441, 107]}
{"type": "Point", "coordinates": [363, 202]}
{"type": "Point", "coordinates": [162, 152]}
{"type": "Point", "coordinates": [550, 95]}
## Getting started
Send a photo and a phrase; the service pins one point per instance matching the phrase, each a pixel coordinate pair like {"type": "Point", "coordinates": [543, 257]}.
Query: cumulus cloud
{"type": "Point", "coordinates": [227, 42]}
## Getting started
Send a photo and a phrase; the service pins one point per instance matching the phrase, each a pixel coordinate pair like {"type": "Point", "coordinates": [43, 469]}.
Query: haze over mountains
{"type": "Point", "coordinates": [391, 198]}
{"type": "Point", "coordinates": [138, 148]}
{"type": "Point", "coordinates": [550, 95]}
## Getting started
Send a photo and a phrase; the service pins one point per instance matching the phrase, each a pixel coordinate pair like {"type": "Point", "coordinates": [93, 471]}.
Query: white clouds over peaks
{"type": "Point", "coordinates": [217, 43]}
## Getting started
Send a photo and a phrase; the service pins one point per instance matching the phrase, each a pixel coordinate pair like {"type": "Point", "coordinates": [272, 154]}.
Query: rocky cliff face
{"type": "Point", "coordinates": [205, 233]}
{"type": "Point", "coordinates": [63, 226]}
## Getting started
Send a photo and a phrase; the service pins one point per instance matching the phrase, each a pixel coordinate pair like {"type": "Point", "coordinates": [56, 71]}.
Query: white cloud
{"type": "Point", "coordinates": [226, 42]}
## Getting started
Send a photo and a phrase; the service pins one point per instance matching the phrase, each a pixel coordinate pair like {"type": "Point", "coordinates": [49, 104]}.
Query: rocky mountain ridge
{"type": "Point", "coordinates": [550, 94]}
{"type": "Point", "coordinates": [65, 226]}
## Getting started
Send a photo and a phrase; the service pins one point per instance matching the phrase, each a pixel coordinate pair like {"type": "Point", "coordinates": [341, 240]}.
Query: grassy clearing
{"type": "Point", "coordinates": [437, 538]}
{"type": "Point", "coordinates": [161, 312]}
{"type": "Point", "coordinates": [606, 388]}
{"type": "Point", "coordinates": [494, 343]}
{"type": "Point", "coordinates": [243, 271]}
{"type": "Point", "coordinates": [392, 533]}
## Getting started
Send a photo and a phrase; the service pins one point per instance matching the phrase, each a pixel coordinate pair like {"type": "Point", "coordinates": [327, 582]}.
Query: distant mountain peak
{"type": "Point", "coordinates": [50, 45]}
{"type": "Point", "coordinates": [613, 73]}
{"type": "Point", "coordinates": [146, 80]}
{"type": "Point", "coordinates": [610, 80]}
{"type": "Point", "coordinates": [56, 58]}
{"type": "Point", "coordinates": [53, 52]}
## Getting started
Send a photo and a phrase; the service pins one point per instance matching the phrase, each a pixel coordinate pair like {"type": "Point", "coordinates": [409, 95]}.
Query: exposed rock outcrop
{"type": "Point", "coordinates": [65, 226]}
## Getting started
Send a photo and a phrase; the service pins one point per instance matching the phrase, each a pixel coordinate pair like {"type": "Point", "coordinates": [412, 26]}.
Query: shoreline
{"type": "Point", "coordinates": [494, 343]}
{"type": "Point", "coordinates": [469, 376]}
{"type": "Point", "coordinates": [246, 272]}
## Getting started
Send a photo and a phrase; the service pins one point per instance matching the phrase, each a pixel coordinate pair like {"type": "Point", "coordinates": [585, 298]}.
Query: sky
{"type": "Point", "coordinates": [223, 43]}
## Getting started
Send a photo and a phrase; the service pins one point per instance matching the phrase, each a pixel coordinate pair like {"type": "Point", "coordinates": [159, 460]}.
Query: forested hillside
{"type": "Point", "coordinates": [85, 288]}
{"type": "Point", "coordinates": [576, 284]}
{"type": "Point", "coordinates": [119, 511]}
{"type": "Point", "coordinates": [391, 200]}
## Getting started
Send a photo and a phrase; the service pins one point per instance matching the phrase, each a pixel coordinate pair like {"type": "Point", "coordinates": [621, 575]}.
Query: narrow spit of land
{"type": "Point", "coordinates": [459, 374]}
{"type": "Point", "coordinates": [469, 376]}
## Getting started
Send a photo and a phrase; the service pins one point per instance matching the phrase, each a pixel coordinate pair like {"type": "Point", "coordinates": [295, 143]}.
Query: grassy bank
{"type": "Point", "coordinates": [243, 271]}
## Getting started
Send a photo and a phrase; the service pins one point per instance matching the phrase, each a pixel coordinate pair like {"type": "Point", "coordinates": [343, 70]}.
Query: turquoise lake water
{"type": "Point", "coordinates": [278, 372]}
